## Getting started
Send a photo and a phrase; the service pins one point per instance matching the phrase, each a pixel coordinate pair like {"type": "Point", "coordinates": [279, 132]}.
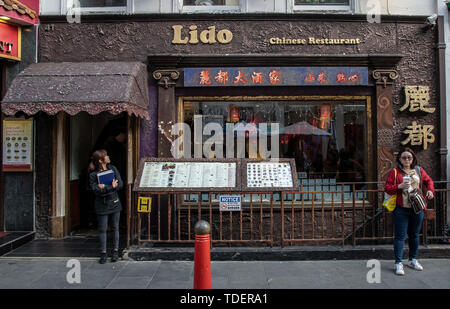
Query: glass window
{"type": "Point", "coordinates": [322, 2]}
{"type": "Point", "coordinates": [211, 2]}
{"type": "Point", "coordinates": [326, 139]}
{"type": "Point", "coordinates": [102, 3]}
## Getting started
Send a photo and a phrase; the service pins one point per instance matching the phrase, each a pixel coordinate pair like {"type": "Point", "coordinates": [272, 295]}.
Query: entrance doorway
{"type": "Point", "coordinates": [87, 134]}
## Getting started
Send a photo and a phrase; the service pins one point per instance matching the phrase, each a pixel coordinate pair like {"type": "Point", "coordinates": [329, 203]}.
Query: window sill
{"type": "Point", "coordinates": [111, 10]}
{"type": "Point", "coordinates": [211, 9]}
{"type": "Point", "coordinates": [322, 8]}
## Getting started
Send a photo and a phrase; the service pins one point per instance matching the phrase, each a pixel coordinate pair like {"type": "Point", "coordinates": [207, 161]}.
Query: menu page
{"type": "Point", "coordinates": [269, 174]}
{"type": "Point", "coordinates": [188, 175]}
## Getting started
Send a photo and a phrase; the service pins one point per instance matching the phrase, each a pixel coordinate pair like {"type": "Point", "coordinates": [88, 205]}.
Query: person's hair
{"type": "Point", "coordinates": [414, 161]}
{"type": "Point", "coordinates": [95, 159]}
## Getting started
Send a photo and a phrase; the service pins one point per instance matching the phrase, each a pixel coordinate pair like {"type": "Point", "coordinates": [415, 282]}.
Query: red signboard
{"type": "Point", "coordinates": [21, 11]}
{"type": "Point", "coordinates": [10, 41]}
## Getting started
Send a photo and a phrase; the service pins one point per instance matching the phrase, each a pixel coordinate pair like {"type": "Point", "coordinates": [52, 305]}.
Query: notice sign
{"type": "Point", "coordinates": [230, 203]}
{"type": "Point", "coordinates": [17, 145]}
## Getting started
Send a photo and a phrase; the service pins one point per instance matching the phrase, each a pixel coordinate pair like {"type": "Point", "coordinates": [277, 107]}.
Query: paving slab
{"type": "Point", "coordinates": [351, 274]}
{"type": "Point", "coordinates": [139, 269]}
{"type": "Point", "coordinates": [129, 283]}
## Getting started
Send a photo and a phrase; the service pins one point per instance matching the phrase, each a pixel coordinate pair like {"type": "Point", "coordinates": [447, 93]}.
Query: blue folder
{"type": "Point", "coordinates": [105, 177]}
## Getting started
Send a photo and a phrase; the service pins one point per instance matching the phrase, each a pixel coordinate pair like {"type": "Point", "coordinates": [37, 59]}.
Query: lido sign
{"type": "Point", "coordinates": [194, 36]}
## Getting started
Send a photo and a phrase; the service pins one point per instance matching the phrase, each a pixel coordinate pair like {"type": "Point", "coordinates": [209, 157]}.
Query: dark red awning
{"type": "Point", "coordinates": [71, 87]}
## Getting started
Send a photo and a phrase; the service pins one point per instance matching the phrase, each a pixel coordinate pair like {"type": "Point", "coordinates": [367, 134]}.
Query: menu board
{"type": "Point", "coordinates": [17, 144]}
{"type": "Point", "coordinates": [269, 175]}
{"type": "Point", "coordinates": [188, 175]}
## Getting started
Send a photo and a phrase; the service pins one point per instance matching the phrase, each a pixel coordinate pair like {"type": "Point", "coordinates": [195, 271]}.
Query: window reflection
{"type": "Point", "coordinates": [326, 139]}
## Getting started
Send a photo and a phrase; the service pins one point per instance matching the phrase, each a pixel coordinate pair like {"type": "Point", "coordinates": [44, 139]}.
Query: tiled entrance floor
{"type": "Point", "coordinates": [73, 246]}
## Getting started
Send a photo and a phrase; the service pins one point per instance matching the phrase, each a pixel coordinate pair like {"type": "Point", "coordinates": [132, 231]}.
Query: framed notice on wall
{"type": "Point", "coordinates": [17, 145]}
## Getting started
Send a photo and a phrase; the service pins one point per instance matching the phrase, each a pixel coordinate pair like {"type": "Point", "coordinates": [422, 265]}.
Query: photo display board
{"type": "Point", "coordinates": [17, 145]}
{"type": "Point", "coordinates": [270, 175]}
{"type": "Point", "coordinates": [187, 175]}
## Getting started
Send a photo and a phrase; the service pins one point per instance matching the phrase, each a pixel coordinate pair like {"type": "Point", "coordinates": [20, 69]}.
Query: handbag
{"type": "Point", "coordinates": [390, 201]}
{"type": "Point", "coordinates": [416, 200]}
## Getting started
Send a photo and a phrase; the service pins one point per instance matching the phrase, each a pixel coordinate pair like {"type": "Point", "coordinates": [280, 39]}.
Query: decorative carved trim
{"type": "Point", "coordinates": [19, 7]}
{"type": "Point", "coordinates": [52, 108]}
{"type": "Point", "coordinates": [385, 77]}
{"type": "Point", "coordinates": [166, 78]}
{"type": "Point", "coordinates": [385, 137]}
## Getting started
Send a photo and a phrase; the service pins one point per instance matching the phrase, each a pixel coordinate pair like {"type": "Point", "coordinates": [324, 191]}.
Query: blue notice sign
{"type": "Point", "coordinates": [276, 76]}
{"type": "Point", "coordinates": [230, 203]}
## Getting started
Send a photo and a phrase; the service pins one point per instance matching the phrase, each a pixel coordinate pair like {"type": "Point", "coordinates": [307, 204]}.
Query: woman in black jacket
{"type": "Point", "coordinates": [107, 202]}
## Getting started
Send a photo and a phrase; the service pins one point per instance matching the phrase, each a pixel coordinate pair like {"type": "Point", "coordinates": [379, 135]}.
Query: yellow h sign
{"type": "Point", "coordinates": [144, 204]}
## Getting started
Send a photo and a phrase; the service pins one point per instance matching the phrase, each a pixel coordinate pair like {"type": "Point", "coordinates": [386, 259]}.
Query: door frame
{"type": "Point", "coordinates": [60, 212]}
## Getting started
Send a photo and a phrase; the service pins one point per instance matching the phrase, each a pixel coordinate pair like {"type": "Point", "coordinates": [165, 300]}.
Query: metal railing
{"type": "Point", "coordinates": [348, 214]}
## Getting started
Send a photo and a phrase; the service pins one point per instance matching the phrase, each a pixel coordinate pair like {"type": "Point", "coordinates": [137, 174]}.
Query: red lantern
{"type": "Point", "coordinates": [234, 113]}
{"type": "Point", "coordinates": [325, 116]}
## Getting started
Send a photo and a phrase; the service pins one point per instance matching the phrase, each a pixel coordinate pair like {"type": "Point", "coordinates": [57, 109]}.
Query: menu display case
{"type": "Point", "coordinates": [182, 175]}
{"type": "Point", "coordinates": [224, 175]}
{"type": "Point", "coordinates": [264, 175]}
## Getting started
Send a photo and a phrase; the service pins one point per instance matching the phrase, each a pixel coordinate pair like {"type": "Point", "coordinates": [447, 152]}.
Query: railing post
{"type": "Point", "coordinates": [354, 217]}
{"type": "Point", "coordinates": [282, 218]}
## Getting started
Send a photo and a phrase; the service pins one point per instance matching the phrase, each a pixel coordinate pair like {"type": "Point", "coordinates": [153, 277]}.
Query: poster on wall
{"type": "Point", "coordinates": [17, 145]}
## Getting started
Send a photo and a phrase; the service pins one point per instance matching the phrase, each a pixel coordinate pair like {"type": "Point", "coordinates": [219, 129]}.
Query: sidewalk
{"type": "Point", "coordinates": [48, 273]}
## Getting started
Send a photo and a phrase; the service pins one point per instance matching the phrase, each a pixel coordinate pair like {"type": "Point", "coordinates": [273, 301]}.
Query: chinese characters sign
{"type": "Point", "coordinates": [275, 76]}
{"type": "Point", "coordinates": [419, 135]}
{"type": "Point", "coordinates": [417, 99]}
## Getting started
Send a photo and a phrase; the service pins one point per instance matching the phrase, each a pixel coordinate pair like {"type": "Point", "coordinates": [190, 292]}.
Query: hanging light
{"type": "Point", "coordinates": [325, 116]}
{"type": "Point", "coordinates": [234, 113]}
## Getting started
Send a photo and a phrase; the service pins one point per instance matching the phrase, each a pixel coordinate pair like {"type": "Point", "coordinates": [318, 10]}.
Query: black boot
{"type": "Point", "coordinates": [115, 256]}
{"type": "Point", "coordinates": [102, 258]}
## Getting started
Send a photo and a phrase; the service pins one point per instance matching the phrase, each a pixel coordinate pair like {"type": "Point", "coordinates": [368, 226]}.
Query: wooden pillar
{"type": "Point", "coordinates": [167, 116]}
{"type": "Point", "coordinates": [385, 134]}
{"type": "Point", "coordinates": [59, 219]}
{"type": "Point", "coordinates": [167, 109]}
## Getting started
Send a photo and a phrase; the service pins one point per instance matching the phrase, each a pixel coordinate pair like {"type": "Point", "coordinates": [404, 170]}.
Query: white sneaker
{"type": "Point", "coordinates": [415, 264]}
{"type": "Point", "coordinates": [399, 269]}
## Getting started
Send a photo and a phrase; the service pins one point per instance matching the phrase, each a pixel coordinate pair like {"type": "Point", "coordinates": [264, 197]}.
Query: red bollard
{"type": "Point", "coordinates": [202, 258]}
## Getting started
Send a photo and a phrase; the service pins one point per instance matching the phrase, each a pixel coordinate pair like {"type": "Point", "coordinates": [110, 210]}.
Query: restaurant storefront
{"type": "Point", "coordinates": [18, 47]}
{"type": "Point", "coordinates": [344, 93]}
